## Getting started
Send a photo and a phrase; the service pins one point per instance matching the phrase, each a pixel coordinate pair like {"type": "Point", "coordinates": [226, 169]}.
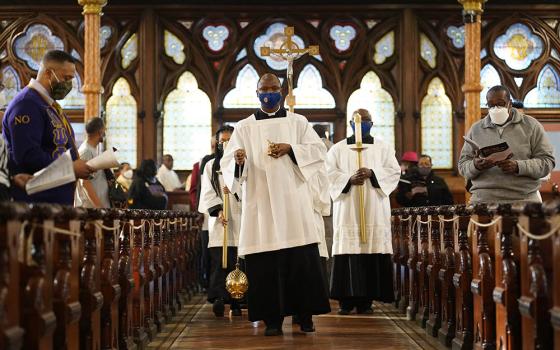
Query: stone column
{"type": "Point", "coordinates": [472, 10]}
{"type": "Point", "coordinates": [92, 56]}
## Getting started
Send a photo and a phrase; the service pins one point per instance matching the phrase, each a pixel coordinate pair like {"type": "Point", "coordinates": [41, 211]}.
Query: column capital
{"type": "Point", "coordinates": [472, 7]}
{"type": "Point", "coordinates": [92, 6]}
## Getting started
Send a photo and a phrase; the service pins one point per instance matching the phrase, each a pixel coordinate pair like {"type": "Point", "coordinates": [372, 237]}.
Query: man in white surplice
{"type": "Point", "coordinates": [273, 153]}
{"type": "Point", "coordinates": [361, 272]}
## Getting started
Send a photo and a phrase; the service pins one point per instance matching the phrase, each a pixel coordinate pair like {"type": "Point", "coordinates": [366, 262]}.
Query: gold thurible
{"type": "Point", "coordinates": [237, 283]}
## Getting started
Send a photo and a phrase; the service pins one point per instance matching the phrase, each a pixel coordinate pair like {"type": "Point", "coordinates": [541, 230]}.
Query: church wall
{"type": "Point", "coordinates": [153, 73]}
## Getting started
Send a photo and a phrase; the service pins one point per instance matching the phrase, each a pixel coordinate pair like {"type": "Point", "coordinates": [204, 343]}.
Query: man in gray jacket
{"type": "Point", "coordinates": [516, 178]}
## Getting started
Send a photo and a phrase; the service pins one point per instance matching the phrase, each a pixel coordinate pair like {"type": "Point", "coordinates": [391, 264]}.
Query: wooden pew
{"type": "Point", "coordinates": [74, 278]}
{"type": "Point", "coordinates": [405, 222]}
{"type": "Point", "coordinates": [483, 276]}
{"type": "Point", "coordinates": [11, 217]}
{"type": "Point", "coordinates": [449, 225]}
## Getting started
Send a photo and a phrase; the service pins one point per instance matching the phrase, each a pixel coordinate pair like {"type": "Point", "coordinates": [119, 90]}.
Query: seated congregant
{"type": "Point", "coordinates": [124, 175]}
{"type": "Point", "coordinates": [167, 176]}
{"type": "Point", "coordinates": [146, 192]}
{"type": "Point", "coordinates": [500, 174]}
{"type": "Point", "coordinates": [422, 187]}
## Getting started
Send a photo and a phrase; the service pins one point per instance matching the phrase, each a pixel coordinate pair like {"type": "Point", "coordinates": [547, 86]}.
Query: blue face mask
{"type": "Point", "coordinates": [270, 99]}
{"type": "Point", "coordinates": [366, 128]}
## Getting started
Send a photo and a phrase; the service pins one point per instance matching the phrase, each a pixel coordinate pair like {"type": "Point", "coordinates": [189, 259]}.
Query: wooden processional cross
{"type": "Point", "coordinates": [289, 51]}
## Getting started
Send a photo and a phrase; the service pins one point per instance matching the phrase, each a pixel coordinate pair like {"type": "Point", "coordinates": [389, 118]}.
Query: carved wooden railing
{"type": "Point", "coordinates": [480, 276]}
{"type": "Point", "coordinates": [92, 279]}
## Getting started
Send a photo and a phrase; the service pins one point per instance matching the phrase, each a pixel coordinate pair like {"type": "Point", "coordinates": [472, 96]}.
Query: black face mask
{"type": "Point", "coordinates": [60, 89]}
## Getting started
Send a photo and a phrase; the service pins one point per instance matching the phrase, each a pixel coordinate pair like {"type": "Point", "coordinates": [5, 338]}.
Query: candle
{"type": "Point", "coordinates": [358, 129]}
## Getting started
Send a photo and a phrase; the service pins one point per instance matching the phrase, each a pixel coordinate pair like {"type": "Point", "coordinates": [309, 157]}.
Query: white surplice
{"type": "Point", "coordinates": [210, 199]}
{"type": "Point", "coordinates": [341, 165]}
{"type": "Point", "coordinates": [276, 212]}
{"type": "Point", "coordinates": [318, 187]}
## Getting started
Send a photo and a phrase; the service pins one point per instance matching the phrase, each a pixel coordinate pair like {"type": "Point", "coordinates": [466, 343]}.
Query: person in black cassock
{"type": "Point", "coordinates": [272, 154]}
{"type": "Point", "coordinates": [362, 271]}
{"type": "Point", "coordinates": [212, 203]}
{"type": "Point", "coordinates": [421, 187]}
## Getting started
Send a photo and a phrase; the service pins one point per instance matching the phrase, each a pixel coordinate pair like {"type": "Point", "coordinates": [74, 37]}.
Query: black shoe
{"type": "Point", "coordinates": [273, 331]}
{"type": "Point", "coordinates": [218, 308]}
{"type": "Point", "coordinates": [344, 312]}
{"type": "Point", "coordinates": [307, 327]}
{"type": "Point", "coordinates": [366, 311]}
{"type": "Point", "coordinates": [236, 312]}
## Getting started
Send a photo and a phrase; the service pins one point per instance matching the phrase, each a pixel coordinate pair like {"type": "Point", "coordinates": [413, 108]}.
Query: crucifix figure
{"type": "Point", "coordinates": [290, 52]}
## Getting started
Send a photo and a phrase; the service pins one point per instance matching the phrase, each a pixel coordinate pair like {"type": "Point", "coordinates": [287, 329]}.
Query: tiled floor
{"type": "Point", "coordinates": [195, 327]}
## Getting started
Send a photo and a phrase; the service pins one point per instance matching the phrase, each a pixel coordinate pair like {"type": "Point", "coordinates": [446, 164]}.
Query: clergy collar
{"type": "Point", "coordinates": [35, 85]}
{"type": "Point", "coordinates": [366, 139]}
{"type": "Point", "coordinates": [280, 113]}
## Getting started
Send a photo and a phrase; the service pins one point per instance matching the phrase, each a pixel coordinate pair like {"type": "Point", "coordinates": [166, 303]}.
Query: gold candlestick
{"type": "Point", "coordinates": [359, 148]}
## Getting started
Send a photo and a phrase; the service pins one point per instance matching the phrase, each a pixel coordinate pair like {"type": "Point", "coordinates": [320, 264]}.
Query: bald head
{"type": "Point", "coordinates": [269, 91]}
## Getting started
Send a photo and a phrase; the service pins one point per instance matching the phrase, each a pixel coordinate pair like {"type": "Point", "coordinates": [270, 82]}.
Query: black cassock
{"type": "Point", "coordinates": [217, 285]}
{"type": "Point", "coordinates": [286, 282]}
{"type": "Point", "coordinates": [358, 279]}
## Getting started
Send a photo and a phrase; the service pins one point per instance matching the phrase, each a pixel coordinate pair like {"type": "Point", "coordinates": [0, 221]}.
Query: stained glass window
{"type": "Point", "coordinates": [274, 38]}
{"type": "Point", "coordinates": [489, 77]}
{"type": "Point", "coordinates": [518, 81]}
{"type": "Point", "coordinates": [121, 122]}
{"type": "Point", "coordinates": [32, 45]}
{"type": "Point", "coordinates": [244, 95]}
{"type": "Point", "coordinates": [384, 48]}
{"type": "Point", "coordinates": [342, 36]}
{"type": "Point", "coordinates": [76, 55]}
{"type": "Point", "coordinates": [518, 47]}
{"type": "Point", "coordinates": [3, 54]}
{"type": "Point", "coordinates": [174, 48]}
{"type": "Point", "coordinates": [187, 116]}
{"type": "Point", "coordinates": [12, 85]}
{"type": "Point", "coordinates": [379, 103]}
{"type": "Point", "coordinates": [428, 51]}
{"type": "Point", "coordinates": [555, 54]}
{"type": "Point", "coordinates": [105, 33]}
{"type": "Point", "coordinates": [310, 92]}
{"type": "Point", "coordinates": [457, 36]}
{"type": "Point", "coordinates": [547, 92]}
{"type": "Point", "coordinates": [483, 53]}
{"type": "Point", "coordinates": [437, 125]}
{"type": "Point", "coordinates": [75, 99]}
{"type": "Point", "coordinates": [129, 51]}
{"type": "Point", "coordinates": [241, 55]}
{"type": "Point", "coordinates": [215, 36]}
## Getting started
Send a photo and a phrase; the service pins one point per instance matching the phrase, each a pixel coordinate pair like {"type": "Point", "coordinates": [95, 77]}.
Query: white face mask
{"type": "Point", "coordinates": [498, 115]}
{"type": "Point", "coordinates": [128, 174]}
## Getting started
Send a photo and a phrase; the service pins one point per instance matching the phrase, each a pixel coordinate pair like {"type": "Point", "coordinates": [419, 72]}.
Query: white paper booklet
{"type": "Point", "coordinates": [58, 173]}
{"type": "Point", "coordinates": [495, 153]}
{"type": "Point", "coordinates": [105, 160]}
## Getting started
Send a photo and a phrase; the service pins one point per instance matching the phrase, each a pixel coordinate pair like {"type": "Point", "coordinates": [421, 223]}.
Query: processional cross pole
{"type": "Point", "coordinates": [289, 51]}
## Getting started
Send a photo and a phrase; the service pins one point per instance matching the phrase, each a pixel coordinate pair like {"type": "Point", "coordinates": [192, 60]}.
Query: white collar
{"type": "Point", "coordinates": [273, 113]}
{"type": "Point", "coordinates": [33, 83]}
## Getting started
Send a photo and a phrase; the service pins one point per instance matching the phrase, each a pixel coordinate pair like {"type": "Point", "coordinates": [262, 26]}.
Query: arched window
{"type": "Point", "coordinates": [437, 125]}
{"type": "Point", "coordinates": [12, 85]}
{"type": "Point", "coordinates": [121, 122]}
{"type": "Point", "coordinates": [310, 92]}
{"type": "Point", "coordinates": [379, 103]}
{"type": "Point", "coordinates": [489, 77]}
{"type": "Point", "coordinates": [518, 46]}
{"type": "Point", "coordinates": [187, 115]}
{"type": "Point", "coordinates": [547, 92]}
{"type": "Point", "coordinates": [244, 94]}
